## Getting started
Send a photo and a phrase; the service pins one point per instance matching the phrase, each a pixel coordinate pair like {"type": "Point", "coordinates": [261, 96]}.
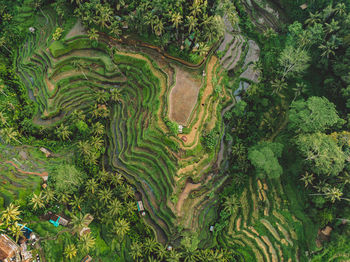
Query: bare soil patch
{"type": "Point", "coordinates": [183, 196]}
{"type": "Point", "coordinates": [183, 96]}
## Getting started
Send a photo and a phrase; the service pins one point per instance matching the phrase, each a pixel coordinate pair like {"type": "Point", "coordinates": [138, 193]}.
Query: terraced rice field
{"type": "Point", "coordinates": [65, 75]}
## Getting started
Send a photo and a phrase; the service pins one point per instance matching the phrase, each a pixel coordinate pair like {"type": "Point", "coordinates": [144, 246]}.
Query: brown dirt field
{"type": "Point", "coordinates": [207, 92]}
{"type": "Point", "coordinates": [78, 29]}
{"type": "Point", "coordinates": [183, 96]}
{"type": "Point", "coordinates": [50, 86]}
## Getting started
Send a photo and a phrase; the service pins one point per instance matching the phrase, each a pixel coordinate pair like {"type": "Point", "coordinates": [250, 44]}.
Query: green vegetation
{"type": "Point", "coordinates": [259, 173]}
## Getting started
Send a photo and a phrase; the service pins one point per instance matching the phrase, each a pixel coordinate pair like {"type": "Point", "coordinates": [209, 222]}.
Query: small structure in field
{"type": "Point", "coordinates": [180, 129]}
{"type": "Point", "coordinates": [211, 229]}
{"type": "Point", "coordinates": [169, 248]}
{"type": "Point", "coordinates": [140, 207]}
{"type": "Point", "coordinates": [58, 220]}
{"type": "Point", "coordinates": [31, 29]}
{"type": "Point", "coordinates": [184, 138]}
{"type": "Point", "coordinates": [303, 6]}
{"type": "Point", "coordinates": [87, 258]}
{"type": "Point", "coordinates": [9, 250]}
{"type": "Point", "coordinates": [84, 231]}
{"type": "Point", "coordinates": [46, 152]}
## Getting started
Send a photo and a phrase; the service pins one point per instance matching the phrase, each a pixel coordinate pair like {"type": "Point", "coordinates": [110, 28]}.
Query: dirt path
{"type": "Point", "coordinates": [43, 175]}
{"type": "Point", "coordinates": [77, 29]}
{"type": "Point", "coordinates": [193, 135]}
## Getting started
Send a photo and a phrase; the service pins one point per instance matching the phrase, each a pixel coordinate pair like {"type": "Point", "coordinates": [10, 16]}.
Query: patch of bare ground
{"type": "Point", "coordinates": [183, 96]}
{"type": "Point", "coordinates": [77, 29]}
{"type": "Point", "coordinates": [193, 135]}
{"type": "Point", "coordinates": [188, 188]}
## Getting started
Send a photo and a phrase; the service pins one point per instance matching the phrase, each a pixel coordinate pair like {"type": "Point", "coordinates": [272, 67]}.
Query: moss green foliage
{"type": "Point", "coordinates": [316, 114]}
{"type": "Point", "coordinates": [264, 158]}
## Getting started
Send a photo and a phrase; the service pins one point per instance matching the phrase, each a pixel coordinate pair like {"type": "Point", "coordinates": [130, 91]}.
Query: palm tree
{"type": "Point", "coordinates": [117, 179]}
{"type": "Point", "coordinates": [333, 26]}
{"type": "Point", "coordinates": [70, 251]}
{"type": "Point", "coordinates": [104, 175]}
{"type": "Point", "coordinates": [101, 96]}
{"type": "Point", "coordinates": [174, 256]}
{"type": "Point", "coordinates": [3, 119]}
{"type": "Point", "coordinates": [130, 207]}
{"type": "Point", "coordinates": [98, 129]}
{"type": "Point", "coordinates": [127, 192]}
{"type": "Point", "coordinates": [158, 27]}
{"type": "Point", "coordinates": [340, 9]}
{"type": "Point", "coordinates": [16, 230]}
{"type": "Point", "coordinates": [161, 252]}
{"type": "Point", "coordinates": [115, 207]}
{"type": "Point", "coordinates": [63, 197]}
{"type": "Point", "coordinates": [104, 15]}
{"type": "Point", "coordinates": [115, 29]}
{"type": "Point", "coordinates": [63, 132]}
{"type": "Point", "coordinates": [231, 204]}
{"type": "Point", "coordinates": [78, 114]}
{"type": "Point", "coordinates": [328, 49]}
{"type": "Point", "coordinates": [331, 193]}
{"type": "Point", "coordinates": [93, 34]}
{"type": "Point", "coordinates": [91, 185]}
{"type": "Point", "coordinates": [105, 195]}
{"type": "Point", "coordinates": [196, 8]}
{"type": "Point", "coordinates": [8, 134]}
{"type": "Point", "coordinates": [313, 19]}
{"type": "Point", "coordinates": [37, 201]}
{"type": "Point", "coordinates": [116, 95]}
{"type": "Point", "coordinates": [76, 202]}
{"type": "Point", "coordinates": [85, 148]}
{"type": "Point", "coordinates": [176, 19]}
{"type": "Point", "coordinates": [278, 85]}
{"type": "Point", "coordinates": [150, 245]}
{"type": "Point", "coordinates": [97, 142]}
{"type": "Point", "coordinates": [121, 227]}
{"type": "Point", "coordinates": [203, 49]}
{"type": "Point", "coordinates": [3, 44]}
{"type": "Point", "coordinates": [87, 242]}
{"type": "Point", "coordinates": [78, 222]}
{"type": "Point", "coordinates": [307, 178]}
{"type": "Point", "coordinates": [10, 214]}
{"type": "Point", "coordinates": [136, 250]}
{"type": "Point", "coordinates": [191, 23]}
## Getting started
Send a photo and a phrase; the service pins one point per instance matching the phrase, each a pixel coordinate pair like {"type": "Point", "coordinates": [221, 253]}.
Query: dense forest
{"type": "Point", "coordinates": [258, 171]}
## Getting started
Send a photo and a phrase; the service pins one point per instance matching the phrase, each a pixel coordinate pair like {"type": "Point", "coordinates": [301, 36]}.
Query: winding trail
{"type": "Point", "coordinates": [43, 175]}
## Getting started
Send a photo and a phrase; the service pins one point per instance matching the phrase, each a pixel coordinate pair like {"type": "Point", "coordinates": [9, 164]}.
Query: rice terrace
{"type": "Point", "coordinates": [174, 130]}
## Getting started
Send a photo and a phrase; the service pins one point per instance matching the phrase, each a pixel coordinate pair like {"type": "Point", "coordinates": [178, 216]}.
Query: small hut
{"type": "Point", "coordinates": [9, 250]}
{"type": "Point", "coordinates": [303, 6]}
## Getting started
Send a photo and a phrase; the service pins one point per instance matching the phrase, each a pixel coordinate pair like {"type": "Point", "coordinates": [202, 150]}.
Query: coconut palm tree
{"type": "Point", "coordinates": [93, 34]}
{"type": "Point", "coordinates": [49, 195]}
{"type": "Point", "coordinates": [331, 193]}
{"type": "Point", "coordinates": [340, 9]}
{"type": "Point", "coordinates": [329, 48]}
{"type": "Point", "coordinates": [278, 85]}
{"type": "Point", "coordinates": [3, 119]}
{"type": "Point", "coordinates": [76, 202]}
{"type": "Point", "coordinates": [91, 186]}
{"type": "Point", "coordinates": [105, 195]}
{"type": "Point", "coordinates": [70, 251]}
{"type": "Point", "coordinates": [104, 175]}
{"type": "Point", "coordinates": [16, 230]}
{"type": "Point", "coordinates": [9, 134]}
{"type": "Point", "coordinates": [161, 252]}
{"type": "Point", "coordinates": [116, 95]}
{"type": "Point", "coordinates": [121, 227]}
{"type": "Point", "coordinates": [87, 242]}
{"type": "Point", "coordinates": [174, 256]}
{"type": "Point", "coordinates": [115, 29]}
{"type": "Point", "coordinates": [85, 149]}
{"type": "Point", "coordinates": [307, 178]}
{"type": "Point", "coordinates": [63, 132]}
{"type": "Point", "coordinates": [104, 15]}
{"type": "Point", "coordinates": [196, 8]}
{"type": "Point", "coordinates": [98, 129]}
{"type": "Point", "coordinates": [176, 19]}
{"type": "Point", "coordinates": [127, 192]}
{"type": "Point", "coordinates": [78, 115]}
{"type": "Point", "coordinates": [203, 49]}
{"type": "Point", "coordinates": [63, 197]}
{"type": "Point", "coordinates": [115, 207]}
{"type": "Point", "coordinates": [231, 204]}
{"type": "Point", "coordinates": [136, 250]}
{"type": "Point", "coordinates": [158, 26]}
{"type": "Point", "coordinates": [78, 222]}
{"type": "Point", "coordinates": [97, 142]}
{"type": "Point", "coordinates": [130, 207]}
{"type": "Point", "coordinates": [101, 96]}
{"type": "Point", "coordinates": [10, 214]}
{"type": "Point", "coordinates": [332, 27]}
{"type": "Point", "coordinates": [313, 19]}
{"type": "Point", "coordinates": [3, 44]}
{"type": "Point", "coordinates": [150, 245]}
{"type": "Point", "coordinates": [117, 179]}
{"type": "Point", "coordinates": [191, 23]}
